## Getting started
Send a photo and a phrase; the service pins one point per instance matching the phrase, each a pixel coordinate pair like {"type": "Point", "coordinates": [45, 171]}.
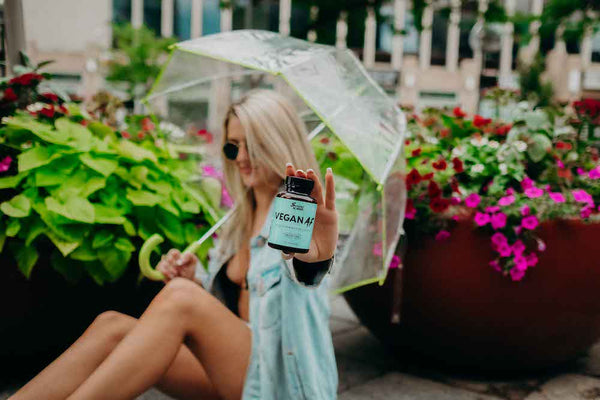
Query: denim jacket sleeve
{"type": "Point", "coordinates": [307, 274]}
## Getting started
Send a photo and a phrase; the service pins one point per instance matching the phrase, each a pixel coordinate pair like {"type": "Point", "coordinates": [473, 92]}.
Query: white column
{"type": "Point", "coordinates": [478, 54]}
{"type": "Point", "coordinates": [370, 39]}
{"type": "Point", "coordinates": [285, 12]}
{"type": "Point", "coordinates": [534, 45]}
{"type": "Point", "coordinates": [226, 18]}
{"type": "Point", "coordinates": [453, 40]}
{"type": "Point", "coordinates": [166, 18]}
{"type": "Point", "coordinates": [506, 49]}
{"type": "Point", "coordinates": [425, 42]}
{"type": "Point", "coordinates": [196, 19]}
{"type": "Point", "coordinates": [398, 40]}
{"type": "Point", "coordinates": [341, 30]}
{"type": "Point", "coordinates": [586, 48]}
{"type": "Point", "coordinates": [137, 13]}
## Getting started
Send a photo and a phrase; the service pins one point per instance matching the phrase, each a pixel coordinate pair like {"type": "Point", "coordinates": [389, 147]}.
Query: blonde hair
{"type": "Point", "coordinates": [275, 135]}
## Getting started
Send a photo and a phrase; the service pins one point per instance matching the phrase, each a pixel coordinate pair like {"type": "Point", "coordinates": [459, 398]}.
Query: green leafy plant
{"type": "Point", "coordinates": [75, 191]}
{"type": "Point", "coordinates": [136, 58]}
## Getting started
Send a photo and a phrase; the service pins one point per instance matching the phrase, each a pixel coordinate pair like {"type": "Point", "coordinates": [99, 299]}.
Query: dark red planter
{"type": "Point", "coordinates": [42, 316]}
{"type": "Point", "coordinates": [458, 311]}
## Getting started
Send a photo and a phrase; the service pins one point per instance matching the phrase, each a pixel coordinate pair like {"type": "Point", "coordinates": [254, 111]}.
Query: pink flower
{"type": "Point", "coordinates": [209, 170]}
{"type": "Point", "coordinates": [496, 265]}
{"type": "Point", "coordinates": [517, 274]}
{"type": "Point", "coordinates": [510, 191]}
{"type": "Point", "coordinates": [586, 211]}
{"type": "Point", "coordinates": [472, 200]}
{"type": "Point", "coordinates": [541, 245]}
{"type": "Point", "coordinates": [595, 173]}
{"type": "Point", "coordinates": [498, 221]}
{"type": "Point", "coordinates": [533, 192]}
{"type": "Point", "coordinates": [560, 164]}
{"type": "Point", "coordinates": [517, 229]}
{"type": "Point", "coordinates": [527, 183]}
{"type": "Point", "coordinates": [410, 214]}
{"type": "Point", "coordinates": [507, 200]}
{"type": "Point", "coordinates": [395, 263]}
{"type": "Point", "coordinates": [504, 250]}
{"type": "Point", "coordinates": [5, 163]}
{"type": "Point", "coordinates": [530, 222]}
{"type": "Point", "coordinates": [499, 239]}
{"type": "Point", "coordinates": [455, 200]}
{"type": "Point", "coordinates": [455, 218]}
{"type": "Point", "coordinates": [491, 210]}
{"type": "Point", "coordinates": [377, 249]}
{"type": "Point", "coordinates": [557, 197]}
{"type": "Point", "coordinates": [520, 263]}
{"type": "Point", "coordinates": [532, 259]}
{"type": "Point", "coordinates": [226, 199]}
{"type": "Point", "coordinates": [581, 196]}
{"type": "Point", "coordinates": [482, 219]}
{"type": "Point", "coordinates": [580, 171]}
{"type": "Point", "coordinates": [518, 248]}
{"type": "Point", "coordinates": [525, 210]}
{"type": "Point", "coordinates": [442, 235]}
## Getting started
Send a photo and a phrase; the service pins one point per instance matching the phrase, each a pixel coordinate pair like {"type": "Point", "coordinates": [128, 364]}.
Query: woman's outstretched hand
{"type": "Point", "coordinates": [325, 231]}
{"type": "Point", "coordinates": [175, 264]}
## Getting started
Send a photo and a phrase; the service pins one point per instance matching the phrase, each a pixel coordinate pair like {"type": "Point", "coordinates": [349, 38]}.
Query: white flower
{"type": "Point", "coordinates": [477, 168]}
{"type": "Point", "coordinates": [458, 151]}
{"type": "Point", "coordinates": [503, 168]}
{"type": "Point", "coordinates": [478, 142]}
{"type": "Point", "coordinates": [520, 145]}
{"type": "Point", "coordinates": [35, 107]}
{"type": "Point", "coordinates": [494, 144]}
{"type": "Point", "coordinates": [172, 130]}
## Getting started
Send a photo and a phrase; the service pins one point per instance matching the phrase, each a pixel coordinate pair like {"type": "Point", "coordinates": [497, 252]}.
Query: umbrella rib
{"type": "Point", "coordinates": [200, 81]}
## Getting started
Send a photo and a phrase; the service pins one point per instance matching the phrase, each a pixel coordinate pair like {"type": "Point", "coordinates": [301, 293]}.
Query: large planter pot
{"type": "Point", "coordinates": [458, 311]}
{"type": "Point", "coordinates": [42, 316]}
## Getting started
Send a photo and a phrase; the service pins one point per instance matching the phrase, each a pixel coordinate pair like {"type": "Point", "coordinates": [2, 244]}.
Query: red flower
{"type": "Point", "coordinates": [444, 133]}
{"type": "Point", "coordinates": [454, 185]}
{"type": "Point", "coordinates": [324, 140]}
{"type": "Point", "coordinates": [440, 165]}
{"type": "Point", "coordinates": [147, 124]}
{"type": "Point", "coordinates": [428, 176]}
{"type": "Point", "coordinates": [84, 122]}
{"type": "Point", "coordinates": [439, 204]}
{"type": "Point", "coordinates": [503, 130]}
{"type": "Point", "coordinates": [406, 142]}
{"type": "Point", "coordinates": [47, 111]}
{"type": "Point", "coordinates": [141, 135]}
{"type": "Point", "coordinates": [10, 95]}
{"type": "Point", "coordinates": [434, 190]}
{"type": "Point", "coordinates": [206, 135]}
{"type": "Point", "coordinates": [125, 135]}
{"type": "Point", "coordinates": [26, 79]}
{"type": "Point", "coordinates": [479, 121]}
{"type": "Point", "coordinates": [458, 113]}
{"type": "Point", "coordinates": [416, 153]}
{"type": "Point", "coordinates": [413, 178]}
{"type": "Point", "coordinates": [565, 173]}
{"type": "Point", "coordinates": [563, 145]}
{"type": "Point", "coordinates": [50, 97]}
{"type": "Point", "coordinates": [63, 109]}
{"type": "Point", "coordinates": [457, 164]}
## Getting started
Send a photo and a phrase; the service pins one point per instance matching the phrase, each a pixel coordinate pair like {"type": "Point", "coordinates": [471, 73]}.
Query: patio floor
{"type": "Point", "coordinates": [367, 371]}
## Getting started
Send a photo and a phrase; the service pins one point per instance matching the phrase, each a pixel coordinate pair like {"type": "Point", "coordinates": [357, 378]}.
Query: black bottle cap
{"type": "Point", "coordinates": [299, 185]}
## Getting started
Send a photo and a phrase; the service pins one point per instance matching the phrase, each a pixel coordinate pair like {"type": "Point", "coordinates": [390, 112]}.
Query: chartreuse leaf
{"type": "Point", "coordinates": [107, 215]}
{"type": "Point", "coordinates": [26, 257]}
{"type": "Point", "coordinates": [114, 260]}
{"type": "Point", "coordinates": [84, 252]}
{"type": "Point", "coordinates": [101, 165]}
{"type": "Point", "coordinates": [35, 228]}
{"type": "Point", "coordinates": [75, 208]}
{"type": "Point", "coordinates": [36, 157]}
{"type": "Point", "coordinates": [171, 227]}
{"type": "Point", "coordinates": [101, 130]}
{"type": "Point", "coordinates": [17, 207]}
{"type": "Point", "coordinates": [135, 152]}
{"type": "Point", "coordinates": [65, 247]}
{"type": "Point", "coordinates": [12, 181]}
{"type": "Point", "coordinates": [41, 130]}
{"type": "Point", "coordinates": [124, 244]}
{"type": "Point", "coordinates": [143, 198]}
{"type": "Point", "coordinates": [102, 239]}
{"type": "Point", "coordinates": [79, 136]}
{"type": "Point", "coordinates": [13, 227]}
{"type": "Point", "coordinates": [71, 270]}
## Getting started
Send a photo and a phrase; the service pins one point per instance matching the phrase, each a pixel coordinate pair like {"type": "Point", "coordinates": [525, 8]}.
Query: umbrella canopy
{"type": "Point", "coordinates": [335, 96]}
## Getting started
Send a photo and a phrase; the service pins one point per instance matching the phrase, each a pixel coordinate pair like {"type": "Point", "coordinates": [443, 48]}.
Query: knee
{"type": "Point", "coordinates": [184, 295]}
{"type": "Point", "coordinates": [113, 325]}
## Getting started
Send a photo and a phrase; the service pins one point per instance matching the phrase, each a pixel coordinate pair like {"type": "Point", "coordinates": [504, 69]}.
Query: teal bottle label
{"type": "Point", "coordinates": [292, 223]}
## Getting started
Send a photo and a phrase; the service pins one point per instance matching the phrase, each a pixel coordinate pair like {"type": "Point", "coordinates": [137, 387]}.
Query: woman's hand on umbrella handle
{"type": "Point", "coordinates": [176, 264]}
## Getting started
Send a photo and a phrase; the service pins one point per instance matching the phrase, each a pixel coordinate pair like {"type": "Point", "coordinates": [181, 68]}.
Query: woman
{"type": "Point", "coordinates": [255, 325]}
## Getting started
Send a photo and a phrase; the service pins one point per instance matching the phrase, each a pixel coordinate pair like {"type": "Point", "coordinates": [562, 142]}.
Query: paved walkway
{"type": "Point", "coordinates": [367, 371]}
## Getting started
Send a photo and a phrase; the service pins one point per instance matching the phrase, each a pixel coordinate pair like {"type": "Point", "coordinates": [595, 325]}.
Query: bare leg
{"type": "Point", "coordinates": [185, 379]}
{"type": "Point", "coordinates": [182, 312]}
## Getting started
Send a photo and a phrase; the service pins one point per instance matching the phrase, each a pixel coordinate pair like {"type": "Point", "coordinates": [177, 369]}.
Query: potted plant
{"type": "Point", "coordinates": [77, 199]}
{"type": "Point", "coordinates": [501, 269]}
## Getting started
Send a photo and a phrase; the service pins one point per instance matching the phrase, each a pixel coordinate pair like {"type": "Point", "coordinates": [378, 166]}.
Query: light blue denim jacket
{"type": "Point", "coordinates": [292, 350]}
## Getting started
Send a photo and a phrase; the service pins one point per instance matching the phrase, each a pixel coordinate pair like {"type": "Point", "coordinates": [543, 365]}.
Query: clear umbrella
{"type": "Point", "coordinates": [353, 126]}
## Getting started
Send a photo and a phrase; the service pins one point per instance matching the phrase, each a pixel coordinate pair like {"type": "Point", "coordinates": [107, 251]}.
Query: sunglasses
{"type": "Point", "coordinates": [231, 150]}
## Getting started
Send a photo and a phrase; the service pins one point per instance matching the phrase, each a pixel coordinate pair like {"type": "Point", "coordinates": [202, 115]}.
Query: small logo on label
{"type": "Point", "coordinates": [297, 207]}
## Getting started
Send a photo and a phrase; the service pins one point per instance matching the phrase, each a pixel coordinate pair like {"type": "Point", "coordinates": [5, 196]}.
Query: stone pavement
{"type": "Point", "coordinates": [367, 371]}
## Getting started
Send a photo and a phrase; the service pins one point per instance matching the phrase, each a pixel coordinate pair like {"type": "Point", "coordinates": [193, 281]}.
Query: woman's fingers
{"type": "Point", "coordinates": [290, 170]}
{"type": "Point", "coordinates": [329, 190]}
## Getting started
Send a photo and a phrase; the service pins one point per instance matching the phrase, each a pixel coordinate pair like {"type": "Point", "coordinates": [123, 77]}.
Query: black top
{"type": "Point", "coordinates": [306, 273]}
